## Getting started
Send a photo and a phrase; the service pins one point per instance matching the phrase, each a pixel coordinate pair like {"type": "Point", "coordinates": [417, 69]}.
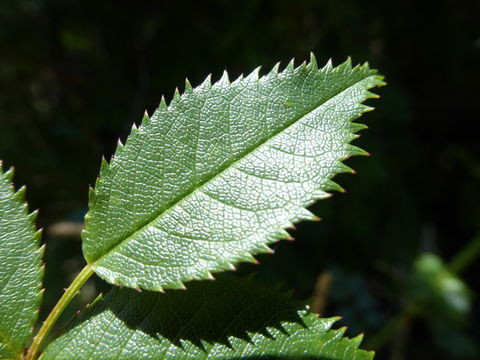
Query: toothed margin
{"type": "Point", "coordinates": [326, 324]}
{"type": "Point", "coordinates": [188, 87]}
{"type": "Point", "coordinates": [323, 325]}
{"type": "Point", "coordinates": [19, 197]}
{"type": "Point", "coordinates": [303, 213]}
{"type": "Point", "coordinates": [317, 332]}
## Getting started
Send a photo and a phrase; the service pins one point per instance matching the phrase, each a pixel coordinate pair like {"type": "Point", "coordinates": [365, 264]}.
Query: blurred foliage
{"type": "Point", "coordinates": [437, 292]}
{"type": "Point", "coordinates": [74, 75]}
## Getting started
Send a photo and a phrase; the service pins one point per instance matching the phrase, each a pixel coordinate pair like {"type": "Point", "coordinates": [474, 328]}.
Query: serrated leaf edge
{"type": "Point", "coordinates": [19, 197]}
{"type": "Point", "coordinates": [304, 214]}
{"type": "Point", "coordinates": [304, 312]}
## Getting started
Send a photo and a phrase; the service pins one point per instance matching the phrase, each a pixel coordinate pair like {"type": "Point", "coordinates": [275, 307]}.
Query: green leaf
{"type": "Point", "coordinates": [224, 319]}
{"type": "Point", "coordinates": [21, 269]}
{"type": "Point", "coordinates": [222, 172]}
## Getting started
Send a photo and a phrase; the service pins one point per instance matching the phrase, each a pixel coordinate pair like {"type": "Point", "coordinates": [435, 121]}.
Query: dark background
{"type": "Point", "coordinates": [75, 75]}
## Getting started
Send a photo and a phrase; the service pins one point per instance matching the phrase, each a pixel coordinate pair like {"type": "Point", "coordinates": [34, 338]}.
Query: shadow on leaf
{"type": "Point", "coordinates": [208, 311]}
{"type": "Point", "coordinates": [228, 319]}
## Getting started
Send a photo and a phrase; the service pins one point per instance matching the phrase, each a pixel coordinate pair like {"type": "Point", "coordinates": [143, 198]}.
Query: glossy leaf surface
{"type": "Point", "coordinates": [222, 172]}
{"type": "Point", "coordinates": [20, 269]}
{"type": "Point", "coordinates": [224, 319]}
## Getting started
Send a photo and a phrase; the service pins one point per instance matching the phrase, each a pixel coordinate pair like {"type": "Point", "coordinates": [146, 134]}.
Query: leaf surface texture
{"type": "Point", "coordinates": [221, 172]}
{"type": "Point", "coordinates": [21, 269]}
{"type": "Point", "coordinates": [224, 319]}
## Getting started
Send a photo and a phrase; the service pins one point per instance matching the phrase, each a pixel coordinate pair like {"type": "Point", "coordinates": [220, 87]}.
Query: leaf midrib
{"type": "Point", "coordinates": [225, 168]}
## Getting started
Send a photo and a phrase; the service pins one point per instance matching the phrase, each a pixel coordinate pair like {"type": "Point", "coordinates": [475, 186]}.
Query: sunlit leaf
{"type": "Point", "coordinates": [221, 172]}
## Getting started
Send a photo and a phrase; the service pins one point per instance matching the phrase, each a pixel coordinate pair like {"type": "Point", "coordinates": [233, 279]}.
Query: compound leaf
{"type": "Point", "coordinates": [21, 269]}
{"type": "Point", "coordinates": [219, 320]}
{"type": "Point", "coordinates": [221, 172]}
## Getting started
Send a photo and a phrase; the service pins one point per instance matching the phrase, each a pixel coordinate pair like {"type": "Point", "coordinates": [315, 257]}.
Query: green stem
{"type": "Point", "coordinates": [465, 256]}
{"type": "Point", "coordinates": [69, 294]}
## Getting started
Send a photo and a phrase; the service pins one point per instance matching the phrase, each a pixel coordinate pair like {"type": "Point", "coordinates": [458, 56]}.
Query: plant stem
{"type": "Point", "coordinates": [465, 256]}
{"type": "Point", "coordinates": [69, 294]}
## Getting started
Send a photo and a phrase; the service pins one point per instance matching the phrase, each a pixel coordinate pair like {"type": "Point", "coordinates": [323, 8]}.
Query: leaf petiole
{"type": "Point", "coordinates": [52, 318]}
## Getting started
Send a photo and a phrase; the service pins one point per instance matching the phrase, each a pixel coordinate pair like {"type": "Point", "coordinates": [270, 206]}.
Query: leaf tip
{"type": "Point", "coordinates": [207, 83]}
{"type": "Point", "coordinates": [348, 63]}
{"type": "Point", "coordinates": [103, 166]}
{"type": "Point", "coordinates": [9, 174]}
{"type": "Point", "coordinates": [225, 79]}
{"type": "Point", "coordinates": [275, 69]}
{"type": "Point", "coordinates": [163, 104]}
{"type": "Point", "coordinates": [32, 217]}
{"type": "Point", "coordinates": [210, 276]}
{"type": "Point", "coordinates": [290, 66]}
{"type": "Point", "coordinates": [231, 267]}
{"type": "Point", "coordinates": [145, 119]}
{"type": "Point", "coordinates": [328, 66]}
{"type": "Point", "coordinates": [176, 96]}
{"type": "Point", "coordinates": [254, 75]}
{"type": "Point", "coordinates": [188, 87]}
{"type": "Point", "coordinates": [155, 287]}
{"type": "Point", "coordinates": [313, 61]}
